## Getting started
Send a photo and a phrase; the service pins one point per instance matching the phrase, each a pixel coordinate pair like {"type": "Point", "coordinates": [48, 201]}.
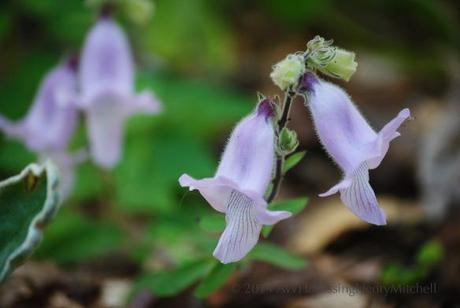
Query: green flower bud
{"type": "Point", "coordinates": [287, 72]}
{"type": "Point", "coordinates": [287, 141]}
{"type": "Point", "coordinates": [330, 60]}
{"type": "Point", "coordinates": [138, 11]}
{"type": "Point", "coordinates": [343, 65]}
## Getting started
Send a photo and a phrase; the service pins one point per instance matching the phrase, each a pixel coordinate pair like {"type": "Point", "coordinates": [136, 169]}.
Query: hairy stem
{"type": "Point", "coordinates": [278, 177]}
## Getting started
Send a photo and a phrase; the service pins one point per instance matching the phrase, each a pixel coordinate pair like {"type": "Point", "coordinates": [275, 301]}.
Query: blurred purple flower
{"type": "Point", "coordinates": [51, 120]}
{"type": "Point", "coordinates": [107, 90]}
{"type": "Point", "coordinates": [239, 184]}
{"type": "Point", "coordinates": [351, 143]}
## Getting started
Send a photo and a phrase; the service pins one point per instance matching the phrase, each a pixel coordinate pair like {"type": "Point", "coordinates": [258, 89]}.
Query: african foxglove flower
{"type": "Point", "coordinates": [238, 187]}
{"type": "Point", "coordinates": [351, 143]}
{"type": "Point", "coordinates": [51, 120]}
{"type": "Point", "coordinates": [107, 90]}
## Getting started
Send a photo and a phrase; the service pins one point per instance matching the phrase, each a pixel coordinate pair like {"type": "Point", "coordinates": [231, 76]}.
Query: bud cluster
{"type": "Point", "coordinates": [321, 55]}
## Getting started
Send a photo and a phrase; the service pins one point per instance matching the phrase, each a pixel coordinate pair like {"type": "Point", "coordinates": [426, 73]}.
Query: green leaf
{"type": "Point", "coordinates": [14, 155]}
{"type": "Point", "coordinates": [430, 253]}
{"type": "Point", "coordinates": [276, 255]}
{"type": "Point", "coordinates": [28, 202]}
{"type": "Point", "coordinates": [293, 160]}
{"type": "Point", "coordinates": [218, 276]}
{"type": "Point", "coordinates": [74, 238]}
{"type": "Point", "coordinates": [169, 283]}
{"type": "Point", "coordinates": [212, 47]}
{"type": "Point", "coordinates": [396, 274]}
{"type": "Point", "coordinates": [287, 141]}
{"type": "Point", "coordinates": [146, 179]}
{"type": "Point", "coordinates": [212, 223]}
{"type": "Point", "coordinates": [293, 206]}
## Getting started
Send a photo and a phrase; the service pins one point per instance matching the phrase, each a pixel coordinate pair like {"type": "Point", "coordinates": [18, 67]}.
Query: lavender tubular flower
{"type": "Point", "coordinates": [351, 143]}
{"type": "Point", "coordinates": [51, 120]}
{"type": "Point", "coordinates": [239, 184]}
{"type": "Point", "coordinates": [107, 90]}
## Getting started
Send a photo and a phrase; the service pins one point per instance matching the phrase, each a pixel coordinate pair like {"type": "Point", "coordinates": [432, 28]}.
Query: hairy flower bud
{"type": "Point", "coordinates": [287, 141]}
{"type": "Point", "coordinates": [330, 60]}
{"type": "Point", "coordinates": [286, 73]}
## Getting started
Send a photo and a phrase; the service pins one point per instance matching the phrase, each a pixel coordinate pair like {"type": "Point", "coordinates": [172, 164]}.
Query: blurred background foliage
{"type": "Point", "coordinates": [205, 60]}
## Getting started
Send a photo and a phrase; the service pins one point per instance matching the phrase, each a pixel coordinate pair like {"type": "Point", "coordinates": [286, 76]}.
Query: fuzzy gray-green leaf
{"type": "Point", "coordinates": [28, 201]}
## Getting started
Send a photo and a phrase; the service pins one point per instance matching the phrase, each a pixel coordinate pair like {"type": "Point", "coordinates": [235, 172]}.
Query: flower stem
{"type": "Point", "coordinates": [278, 177]}
{"type": "Point", "coordinates": [286, 109]}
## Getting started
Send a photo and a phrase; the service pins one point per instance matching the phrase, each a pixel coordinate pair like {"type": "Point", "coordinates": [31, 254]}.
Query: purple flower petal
{"type": "Point", "coordinates": [357, 194]}
{"type": "Point", "coordinates": [106, 63]}
{"type": "Point", "coordinates": [242, 229]}
{"type": "Point", "coordinates": [105, 123]}
{"type": "Point", "coordinates": [352, 143]}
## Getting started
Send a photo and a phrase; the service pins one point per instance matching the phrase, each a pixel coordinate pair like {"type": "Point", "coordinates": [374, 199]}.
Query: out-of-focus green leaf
{"type": "Point", "coordinates": [430, 253]}
{"type": "Point", "coordinates": [293, 160]}
{"type": "Point", "coordinates": [5, 24]}
{"type": "Point", "coordinates": [276, 255]}
{"type": "Point", "coordinates": [212, 222]}
{"type": "Point", "coordinates": [293, 206]}
{"type": "Point", "coordinates": [296, 12]}
{"type": "Point", "coordinates": [146, 179]}
{"type": "Point", "coordinates": [396, 274]}
{"type": "Point", "coordinates": [18, 90]}
{"type": "Point", "coordinates": [391, 274]}
{"type": "Point", "coordinates": [190, 35]}
{"type": "Point", "coordinates": [200, 108]}
{"type": "Point", "coordinates": [13, 155]}
{"type": "Point", "coordinates": [73, 238]}
{"type": "Point", "coordinates": [88, 182]}
{"type": "Point", "coordinates": [28, 202]}
{"type": "Point", "coordinates": [172, 282]}
{"type": "Point", "coordinates": [64, 21]}
{"type": "Point", "coordinates": [178, 232]}
{"type": "Point", "coordinates": [138, 11]}
{"type": "Point", "coordinates": [216, 278]}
